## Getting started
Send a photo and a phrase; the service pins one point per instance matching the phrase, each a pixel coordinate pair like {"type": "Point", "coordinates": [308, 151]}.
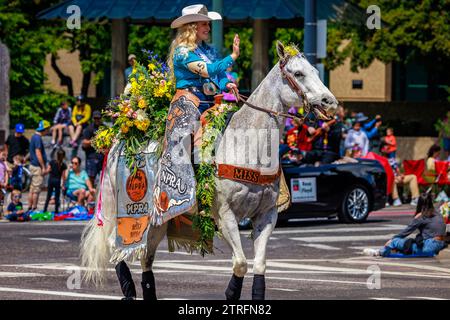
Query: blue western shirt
{"type": "Point", "coordinates": [186, 78]}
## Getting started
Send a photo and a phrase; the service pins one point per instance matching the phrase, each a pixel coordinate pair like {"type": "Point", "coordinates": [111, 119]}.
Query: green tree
{"type": "Point", "coordinates": [418, 30]}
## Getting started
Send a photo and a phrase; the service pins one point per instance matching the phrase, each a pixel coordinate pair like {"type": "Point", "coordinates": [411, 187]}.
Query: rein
{"type": "Point", "coordinates": [292, 84]}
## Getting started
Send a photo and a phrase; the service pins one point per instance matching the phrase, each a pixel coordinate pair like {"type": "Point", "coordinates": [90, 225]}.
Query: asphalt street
{"type": "Point", "coordinates": [310, 259]}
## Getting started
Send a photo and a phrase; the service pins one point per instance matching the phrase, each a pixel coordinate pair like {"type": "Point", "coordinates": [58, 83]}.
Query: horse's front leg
{"type": "Point", "coordinates": [263, 226]}
{"type": "Point", "coordinates": [155, 236]}
{"type": "Point", "coordinates": [228, 226]}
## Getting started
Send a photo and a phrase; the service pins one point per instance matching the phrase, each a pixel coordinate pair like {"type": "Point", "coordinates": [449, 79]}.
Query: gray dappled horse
{"type": "Point", "coordinates": [288, 84]}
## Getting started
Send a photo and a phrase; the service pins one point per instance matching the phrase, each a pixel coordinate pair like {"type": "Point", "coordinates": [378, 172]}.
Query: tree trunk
{"type": "Point", "coordinates": [64, 80]}
{"type": "Point", "coordinates": [85, 84]}
{"type": "Point", "coordinates": [5, 64]}
{"type": "Point", "coordinates": [260, 62]}
{"type": "Point", "coordinates": [119, 56]}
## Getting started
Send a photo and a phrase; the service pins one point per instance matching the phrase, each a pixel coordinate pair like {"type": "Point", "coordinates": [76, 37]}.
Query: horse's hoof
{"type": "Point", "coordinates": [259, 287]}
{"type": "Point", "coordinates": [233, 292]}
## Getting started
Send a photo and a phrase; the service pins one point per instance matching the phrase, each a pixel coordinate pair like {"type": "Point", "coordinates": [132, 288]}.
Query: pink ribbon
{"type": "Point", "coordinates": [99, 203]}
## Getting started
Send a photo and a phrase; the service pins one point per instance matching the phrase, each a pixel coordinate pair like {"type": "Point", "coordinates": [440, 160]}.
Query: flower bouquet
{"type": "Point", "coordinates": [139, 114]}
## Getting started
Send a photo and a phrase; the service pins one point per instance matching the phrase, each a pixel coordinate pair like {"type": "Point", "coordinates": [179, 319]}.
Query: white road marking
{"type": "Point", "coordinates": [383, 299]}
{"type": "Point", "coordinates": [319, 246]}
{"type": "Point", "coordinates": [343, 238]}
{"type": "Point", "coordinates": [398, 264]}
{"type": "Point", "coordinates": [426, 298]}
{"type": "Point", "coordinates": [389, 227]}
{"type": "Point", "coordinates": [49, 239]}
{"type": "Point", "coordinates": [70, 294]}
{"type": "Point", "coordinates": [19, 274]}
{"type": "Point", "coordinates": [283, 289]}
{"type": "Point", "coordinates": [60, 293]}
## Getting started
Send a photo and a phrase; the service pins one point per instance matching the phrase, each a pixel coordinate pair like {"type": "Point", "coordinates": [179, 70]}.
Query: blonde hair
{"type": "Point", "coordinates": [186, 36]}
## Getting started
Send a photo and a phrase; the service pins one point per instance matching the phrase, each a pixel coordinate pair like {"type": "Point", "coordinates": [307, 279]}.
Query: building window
{"type": "Point", "coordinates": [357, 84]}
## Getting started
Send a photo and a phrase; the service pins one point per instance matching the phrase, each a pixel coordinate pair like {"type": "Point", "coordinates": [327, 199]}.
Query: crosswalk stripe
{"type": "Point", "coordinates": [399, 264]}
{"type": "Point", "coordinates": [60, 293]}
{"type": "Point", "coordinates": [390, 227]}
{"type": "Point", "coordinates": [49, 240]}
{"type": "Point", "coordinates": [320, 246]}
{"type": "Point", "coordinates": [426, 298]}
{"type": "Point", "coordinates": [70, 294]}
{"type": "Point", "coordinates": [19, 274]}
{"type": "Point", "coordinates": [343, 238]}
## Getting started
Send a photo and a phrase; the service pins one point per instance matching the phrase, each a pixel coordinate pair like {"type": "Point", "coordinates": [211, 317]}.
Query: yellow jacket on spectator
{"type": "Point", "coordinates": [81, 116]}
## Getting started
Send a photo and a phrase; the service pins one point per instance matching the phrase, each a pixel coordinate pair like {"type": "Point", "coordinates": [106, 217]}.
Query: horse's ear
{"type": "Point", "coordinates": [280, 50]}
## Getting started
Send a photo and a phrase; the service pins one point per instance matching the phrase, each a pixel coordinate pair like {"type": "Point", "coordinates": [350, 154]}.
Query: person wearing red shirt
{"type": "Point", "coordinates": [390, 144]}
{"type": "Point", "coordinates": [297, 138]}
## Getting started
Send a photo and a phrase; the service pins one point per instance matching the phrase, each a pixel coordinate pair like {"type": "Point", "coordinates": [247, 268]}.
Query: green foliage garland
{"type": "Point", "coordinates": [205, 175]}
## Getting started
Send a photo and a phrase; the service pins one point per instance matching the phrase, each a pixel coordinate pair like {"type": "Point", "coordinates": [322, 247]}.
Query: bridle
{"type": "Point", "coordinates": [292, 84]}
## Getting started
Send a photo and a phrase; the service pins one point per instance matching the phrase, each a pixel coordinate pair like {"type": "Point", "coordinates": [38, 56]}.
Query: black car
{"type": "Point", "coordinates": [350, 191]}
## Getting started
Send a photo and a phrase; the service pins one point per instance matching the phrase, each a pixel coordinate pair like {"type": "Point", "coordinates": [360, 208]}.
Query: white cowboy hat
{"type": "Point", "coordinates": [195, 13]}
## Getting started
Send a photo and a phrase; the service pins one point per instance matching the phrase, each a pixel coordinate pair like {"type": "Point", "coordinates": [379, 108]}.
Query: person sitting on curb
{"type": "Point", "coordinates": [430, 239]}
{"type": "Point", "coordinates": [15, 211]}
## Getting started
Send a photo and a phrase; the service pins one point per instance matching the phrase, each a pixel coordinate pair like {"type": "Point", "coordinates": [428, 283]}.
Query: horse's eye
{"type": "Point", "coordinates": [298, 74]}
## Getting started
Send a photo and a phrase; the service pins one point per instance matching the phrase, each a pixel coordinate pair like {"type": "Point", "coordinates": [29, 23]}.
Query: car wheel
{"type": "Point", "coordinates": [356, 205]}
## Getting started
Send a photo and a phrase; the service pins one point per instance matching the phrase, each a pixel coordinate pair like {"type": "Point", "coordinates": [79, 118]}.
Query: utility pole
{"type": "Point", "coordinates": [217, 27]}
{"type": "Point", "coordinates": [310, 45]}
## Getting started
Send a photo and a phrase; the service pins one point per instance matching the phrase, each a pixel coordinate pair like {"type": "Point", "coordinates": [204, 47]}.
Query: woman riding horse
{"type": "Point", "coordinates": [193, 63]}
{"type": "Point", "coordinates": [195, 67]}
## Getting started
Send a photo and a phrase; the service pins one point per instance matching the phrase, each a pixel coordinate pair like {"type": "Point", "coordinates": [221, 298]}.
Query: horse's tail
{"type": "Point", "coordinates": [95, 240]}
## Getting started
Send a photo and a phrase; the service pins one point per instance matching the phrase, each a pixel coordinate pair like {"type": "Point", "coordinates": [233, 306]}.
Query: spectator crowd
{"type": "Point", "coordinates": [345, 138]}
{"type": "Point", "coordinates": [24, 163]}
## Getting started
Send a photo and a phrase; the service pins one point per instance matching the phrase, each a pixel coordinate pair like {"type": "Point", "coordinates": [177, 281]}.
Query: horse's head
{"type": "Point", "coordinates": [302, 80]}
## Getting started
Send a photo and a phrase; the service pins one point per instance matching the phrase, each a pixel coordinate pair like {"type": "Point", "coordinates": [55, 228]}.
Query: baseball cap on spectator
{"type": "Point", "coordinates": [43, 124]}
{"type": "Point", "coordinates": [131, 56]}
{"type": "Point", "coordinates": [96, 114]}
{"type": "Point", "coordinates": [20, 128]}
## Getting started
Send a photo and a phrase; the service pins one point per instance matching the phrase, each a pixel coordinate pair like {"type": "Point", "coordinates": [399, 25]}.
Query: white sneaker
{"type": "Point", "coordinates": [414, 202]}
{"type": "Point", "coordinates": [387, 204]}
{"type": "Point", "coordinates": [397, 203]}
{"type": "Point", "coordinates": [371, 252]}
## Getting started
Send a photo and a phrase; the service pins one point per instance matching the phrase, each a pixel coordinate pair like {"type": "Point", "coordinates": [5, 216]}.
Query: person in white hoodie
{"type": "Point", "coordinates": [357, 137]}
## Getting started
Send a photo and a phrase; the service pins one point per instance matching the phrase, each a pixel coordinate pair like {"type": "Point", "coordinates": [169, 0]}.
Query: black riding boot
{"type": "Point", "coordinates": [148, 286]}
{"type": "Point", "coordinates": [126, 281]}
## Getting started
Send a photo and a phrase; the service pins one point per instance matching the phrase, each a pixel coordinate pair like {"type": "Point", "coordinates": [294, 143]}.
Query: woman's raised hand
{"type": "Point", "coordinates": [236, 50]}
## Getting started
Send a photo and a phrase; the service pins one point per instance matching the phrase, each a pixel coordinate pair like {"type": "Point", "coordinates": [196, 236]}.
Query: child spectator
{"type": "Point", "coordinates": [356, 152]}
{"type": "Point", "coordinates": [61, 121]}
{"type": "Point", "coordinates": [15, 211]}
{"type": "Point", "coordinates": [17, 172]}
{"type": "Point", "coordinates": [57, 169]}
{"type": "Point", "coordinates": [390, 144]}
{"type": "Point", "coordinates": [3, 177]}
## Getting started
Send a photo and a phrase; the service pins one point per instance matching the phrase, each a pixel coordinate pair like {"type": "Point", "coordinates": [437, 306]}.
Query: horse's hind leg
{"type": "Point", "coordinates": [230, 231]}
{"type": "Point", "coordinates": [155, 235]}
{"type": "Point", "coordinates": [263, 226]}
